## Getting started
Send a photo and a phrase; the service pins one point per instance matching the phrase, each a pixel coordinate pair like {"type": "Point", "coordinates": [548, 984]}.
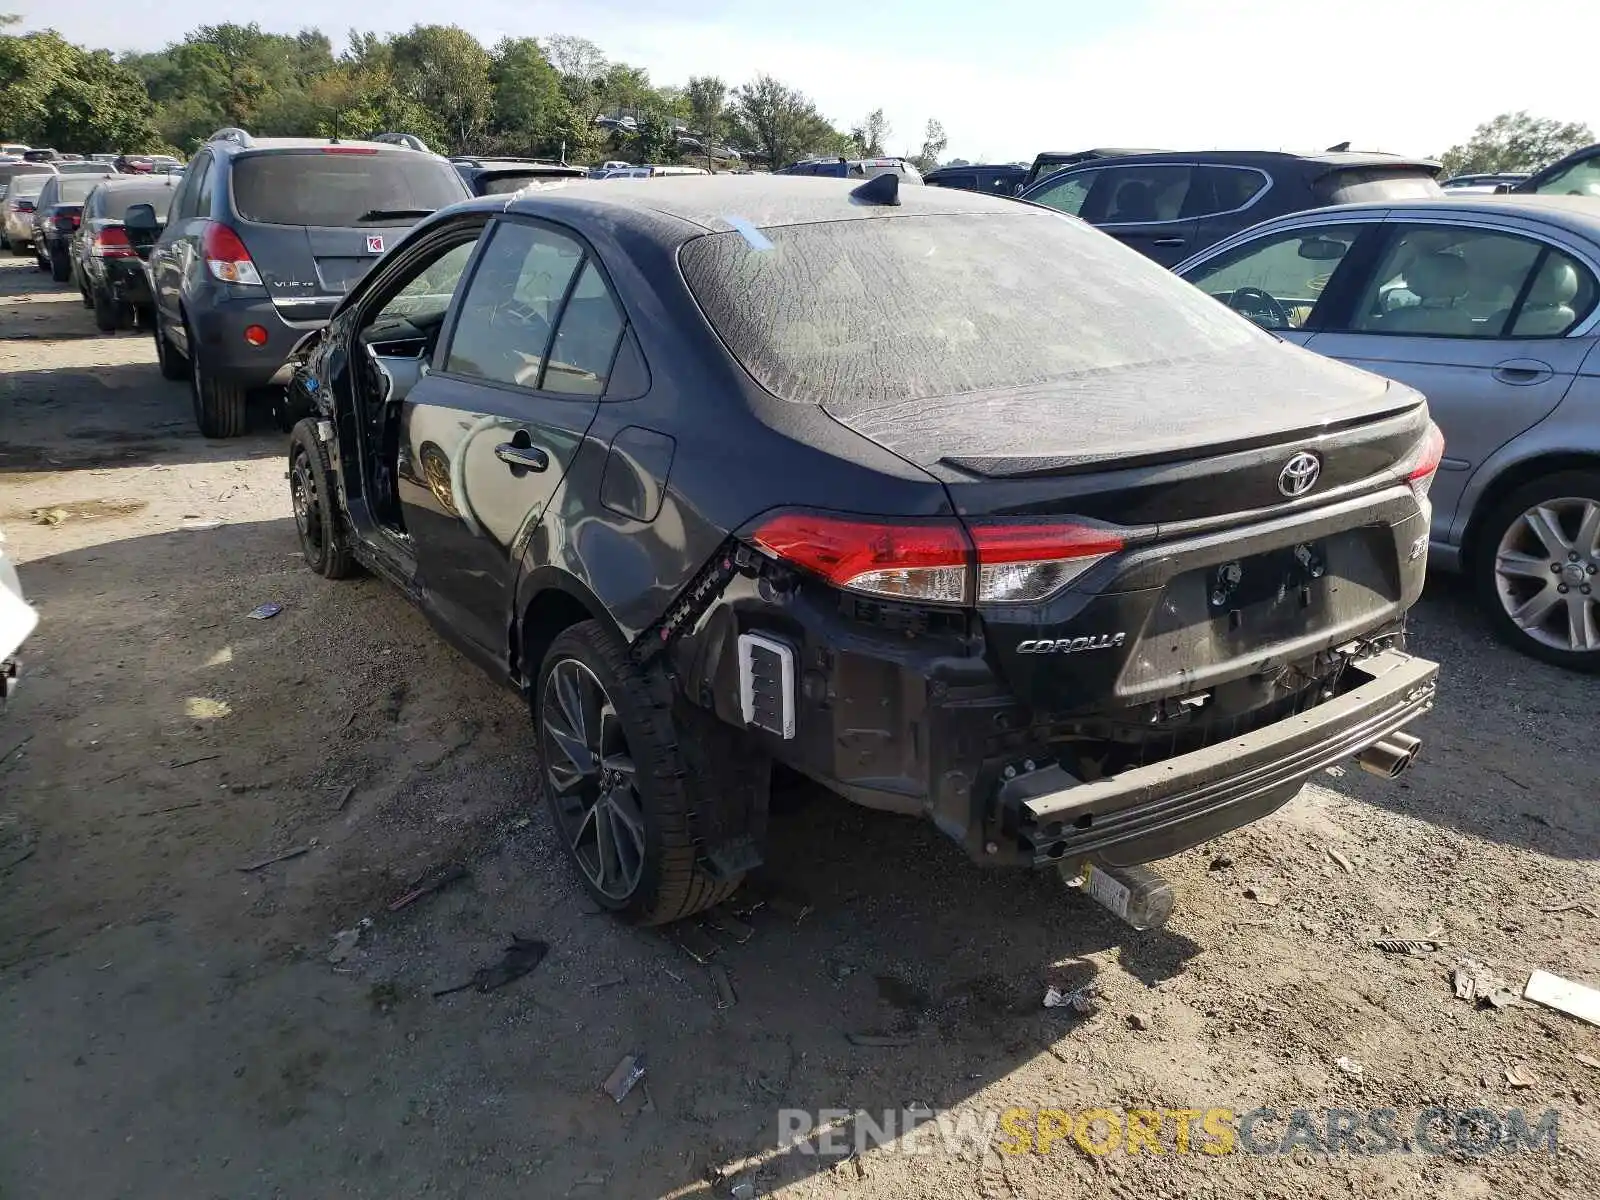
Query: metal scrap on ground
{"type": "Point", "coordinates": [623, 1076]}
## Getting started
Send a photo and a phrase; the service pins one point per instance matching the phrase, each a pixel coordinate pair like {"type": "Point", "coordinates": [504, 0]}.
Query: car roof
{"type": "Point", "coordinates": [1332, 159]}
{"type": "Point", "coordinates": [976, 167]}
{"type": "Point", "coordinates": [724, 202]}
{"type": "Point", "coordinates": [142, 178]}
{"type": "Point", "coordinates": [297, 143]}
{"type": "Point", "coordinates": [1577, 214]}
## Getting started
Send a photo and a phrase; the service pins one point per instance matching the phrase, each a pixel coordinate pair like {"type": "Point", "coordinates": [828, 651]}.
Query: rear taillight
{"type": "Point", "coordinates": [226, 257]}
{"type": "Point", "coordinates": [111, 242]}
{"type": "Point", "coordinates": [1421, 467]}
{"type": "Point", "coordinates": [937, 561]}
{"type": "Point", "coordinates": [23, 205]}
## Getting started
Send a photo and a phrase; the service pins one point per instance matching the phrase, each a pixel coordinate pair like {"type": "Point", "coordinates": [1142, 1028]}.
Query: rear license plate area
{"type": "Point", "coordinates": [1268, 593]}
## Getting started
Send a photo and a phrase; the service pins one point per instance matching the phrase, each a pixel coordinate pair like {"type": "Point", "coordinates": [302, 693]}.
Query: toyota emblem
{"type": "Point", "coordinates": [1299, 474]}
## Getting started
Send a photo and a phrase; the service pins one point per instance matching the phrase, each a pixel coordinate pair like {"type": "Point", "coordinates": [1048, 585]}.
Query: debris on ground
{"type": "Point", "coordinates": [1587, 910]}
{"type": "Point", "coordinates": [1475, 982]}
{"type": "Point", "coordinates": [1080, 1000]}
{"type": "Point", "coordinates": [265, 612]}
{"type": "Point", "coordinates": [1220, 863]}
{"type": "Point", "coordinates": [724, 921]}
{"type": "Point", "coordinates": [879, 1039]}
{"type": "Point", "coordinates": [1588, 1060]}
{"type": "Point", "coordinates": [1265, 899]}
{"type": "Point", "coordinates": [429, 884]}
{"type": "Point", "coordinates": [345, 941]}
{"type": "Point", "coordinates": [622, 1078]}
{"type": "Point", "coordinates": [1521, 1077]}
{"type": "Point", "coordinates": [743, 1191]}
{"type": "Point", "coordinates": [1349, 1066]}
{"type": "Point", "coordinates": [284, 857]}
{"type": "Point", "coordinates": [344, 797]}
{"type": "Point", "coordinates": [519, 958]}
{"type": "Point", "coordinates": [189, 762]}
{"type": "Point", "coordinates": [1141, 1020]}
{"type": "Point", "coordinates": [786, 906]}
{"type": "Point", "coordinates": [1350, 867]}
{"type": "Point", "coordinates": [49, 516]}
{"type": "Point", "coordinates": [724, 985]}
{"type": "Point", "coordinates": [693, 941]}
{"type": "Point", "coordinates": [1564, 996]}
{"type": "Point", "coordinates": [610, 981]}
{"type": "Point", "coordinates": [594, 1179]}
{"type": "Point", "coordinates": [1414, 946]}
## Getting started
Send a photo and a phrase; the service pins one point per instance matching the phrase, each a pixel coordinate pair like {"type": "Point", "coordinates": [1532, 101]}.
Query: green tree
{"type": "Point", "coordinates": [779, 124]}
{"type": "Point", "coordinates": [527, 102]}
{"type": "Point", "coordinates": [53, 93]}
{"type": "Point", "coordinates": [446, 72]}
{"type": "Point", "coordinates": [933, 143]}
{"type": "Point", "coordinates": [1515, 141]}
{"type": "Point", "coordinates": [869, 137]}
{"type": "Point", "coordinates": [707, 96]}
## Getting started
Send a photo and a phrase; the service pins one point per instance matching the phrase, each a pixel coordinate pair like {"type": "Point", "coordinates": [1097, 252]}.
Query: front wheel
{"type": "Point", "coordinates": [617, 781]}
{"type": "Point", "coordinates": [1538, 569]}
{"type": "Point", "coordinates": [316, 512]}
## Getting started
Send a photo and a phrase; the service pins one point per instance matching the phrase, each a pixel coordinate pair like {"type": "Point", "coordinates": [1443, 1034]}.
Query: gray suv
{"type": "Point", "coordinates": [264, 237]}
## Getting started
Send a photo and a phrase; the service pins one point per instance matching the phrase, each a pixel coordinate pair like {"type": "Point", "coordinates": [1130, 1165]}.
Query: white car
{"type": "Point", "coordinates": [17, 620]}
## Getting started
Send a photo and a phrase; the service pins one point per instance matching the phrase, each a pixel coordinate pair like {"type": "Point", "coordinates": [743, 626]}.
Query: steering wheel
{"type": "Point", "coordinates": [1253, 303]}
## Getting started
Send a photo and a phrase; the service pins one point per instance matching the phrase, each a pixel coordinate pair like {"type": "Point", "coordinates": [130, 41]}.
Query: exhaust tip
{"type": "Point", "coordinates": [1391, 757]}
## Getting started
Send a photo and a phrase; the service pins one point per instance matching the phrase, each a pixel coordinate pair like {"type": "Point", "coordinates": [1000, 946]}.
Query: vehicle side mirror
{"type": "Point", "coordinates": [142, 228]}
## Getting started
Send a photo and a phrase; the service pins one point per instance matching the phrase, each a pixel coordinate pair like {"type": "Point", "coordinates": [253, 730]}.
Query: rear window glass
{"type": "Point", "coordinates": [339, 190]}
{"type": "Point", "coordinates": [117, 201]}
{"type": "Point", "coordinates": [29, 185]}
{"type": "Point", "coordinates": [75, 189]}
{"type": "Point", "coordinates": [80, 168]}
{"type": "Point", "coordinates": [503, 184]}
{"type": "Point", "coordinates": [1582, 178]}
{"type": "Point", "coordinates": [879, 311]}
{"type": "Point", "coordinates": [1358, 185]}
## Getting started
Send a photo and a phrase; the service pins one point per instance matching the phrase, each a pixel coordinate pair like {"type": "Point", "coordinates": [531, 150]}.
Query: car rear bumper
{"type": "Point", "coordinates": [226, 355]}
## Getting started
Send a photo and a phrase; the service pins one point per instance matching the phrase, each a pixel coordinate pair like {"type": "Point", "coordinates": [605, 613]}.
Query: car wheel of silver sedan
{"type": "Point", "coordinates": [1539, 569]}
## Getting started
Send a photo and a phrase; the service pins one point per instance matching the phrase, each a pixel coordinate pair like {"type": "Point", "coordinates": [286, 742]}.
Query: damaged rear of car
{"type": "Point", "coordinates": [1159, 575]}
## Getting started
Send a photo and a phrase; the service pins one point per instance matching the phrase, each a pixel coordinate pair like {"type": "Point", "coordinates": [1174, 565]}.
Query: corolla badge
{"type": "Point", "coordinates": [1299, 474]}
{"type": "Point", "coordinates": [1077, 645]}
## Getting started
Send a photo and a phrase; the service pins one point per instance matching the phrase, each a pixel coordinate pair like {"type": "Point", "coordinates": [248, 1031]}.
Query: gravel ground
{"type": "Point", "coordinates": [174, 1027]}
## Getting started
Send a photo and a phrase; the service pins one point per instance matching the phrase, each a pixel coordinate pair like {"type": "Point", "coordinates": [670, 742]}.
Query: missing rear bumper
{"type": "Point", "coordinates": [1154, 811]}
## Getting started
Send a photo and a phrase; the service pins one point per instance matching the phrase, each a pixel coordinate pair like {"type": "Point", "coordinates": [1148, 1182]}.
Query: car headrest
{"type": "Point", "coordinates": [1557, 284]}
{"type": "Point", "coordinates": [1438, 276]}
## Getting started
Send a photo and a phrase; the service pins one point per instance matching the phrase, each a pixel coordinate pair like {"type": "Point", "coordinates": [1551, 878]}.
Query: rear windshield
{"type": "Point", "coordinates": [117, 201]}
{"type": "Point", "coordinates": [339, 190]}
{"type": "Point", "coordinates": [1357, 185]}
{"type": "Point", "coordinates": [28, 185]}
{"type": "Point", "coordinates": [1582, 178]}
{"type": "Point", "coordinates": [503, 183]}
{"type": "Point", "coordinates": [75, 189]}
{"type": "Point", "coordinates": [79, 168]}
{"type": "Point", "coordinates": [879, 311]}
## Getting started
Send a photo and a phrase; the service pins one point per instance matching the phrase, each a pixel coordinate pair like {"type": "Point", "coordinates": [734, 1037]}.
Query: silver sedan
{"type": "Point", "coordinates": [1490, 306]}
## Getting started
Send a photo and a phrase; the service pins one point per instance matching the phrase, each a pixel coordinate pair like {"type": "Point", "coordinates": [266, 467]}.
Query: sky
{"type": "Point", "coordinates": [1008, 78]}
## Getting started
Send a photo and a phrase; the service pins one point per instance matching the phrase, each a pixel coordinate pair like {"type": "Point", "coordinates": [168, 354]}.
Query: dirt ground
{"type": "Point", "coordinates": [171, 1025]}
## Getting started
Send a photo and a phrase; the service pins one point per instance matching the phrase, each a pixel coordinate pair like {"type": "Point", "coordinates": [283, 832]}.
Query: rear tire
{"type": "Point", "coordinates": [622, 800]}
{"type": "Point", "coordinates": [220, 409]}
{"type": "Point", "coordinates": [173, 365]}
{"type": "Point", "coordinates": [15, 248]}
{"type": "Point", "coordinates": [316, 509]}
{"type": "Point", "coordinates": [60, 268]}
{"type": "Point", "coordinates": [108, 314]}
{"type": "Point", "coordinates": [1522, 566]}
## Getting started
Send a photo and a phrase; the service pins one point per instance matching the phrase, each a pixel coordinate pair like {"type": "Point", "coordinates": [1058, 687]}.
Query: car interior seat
{"type": "Point", "coordinates": [1133, 203]}
{"type": "Point", "coordinates": [1548, 311]}
{"type": "Point", "coordinates": [1438, 280]}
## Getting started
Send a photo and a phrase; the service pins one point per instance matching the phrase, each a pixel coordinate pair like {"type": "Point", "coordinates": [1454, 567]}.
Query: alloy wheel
{"type": "Point", "coordinates": [592, 779]}
{"type": "Point", "coordinates": [307, 512]}
{"type": "Point", "coordinates": [1547, 573]}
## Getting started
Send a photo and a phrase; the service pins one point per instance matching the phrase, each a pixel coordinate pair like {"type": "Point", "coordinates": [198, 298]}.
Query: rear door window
{"type": "Point", "coordinates": [1139, 195]}
{"type": "Point", "coordinates": [586, 340]}
{"type": "Point", "coordinates": [507, 315]}
{"type": "Point", "coordinates": [1228, 189]}
{"type": "Point", "coordinates": [1358, 185]}
{"type": "Point", "coordinates": [342, 190]}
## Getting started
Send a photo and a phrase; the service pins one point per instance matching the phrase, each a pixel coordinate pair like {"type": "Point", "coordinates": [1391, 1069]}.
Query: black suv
{"type": "Point", "coordinates": [502, 176]}
{"type": "Point", "coordinates": [1171, 205]}
{"type": "Point", "coordinates": [946, 502]}
{"type": "Point", "coordinates": [264, 238]}
{"type": "Point", "coordinates": [996, 179]}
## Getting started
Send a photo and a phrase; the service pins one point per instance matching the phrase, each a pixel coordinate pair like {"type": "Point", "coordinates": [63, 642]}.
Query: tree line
{"type": "Point", "coordinates": [555, 97]}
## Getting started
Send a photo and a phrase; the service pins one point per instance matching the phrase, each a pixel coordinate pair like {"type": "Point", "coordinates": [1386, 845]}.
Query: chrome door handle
{"type": "Point", "coordinates": [1167, 242]}
{"type": "Point", "coordinates": [529, 458]}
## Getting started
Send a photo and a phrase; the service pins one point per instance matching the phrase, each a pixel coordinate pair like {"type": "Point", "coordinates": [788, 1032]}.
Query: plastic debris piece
{"type": "Point", "coordinates": [1573, 906]}
{"type": "Point", "coordinates": [623, 1077]}
{"type": "Point", "coordinates": [519, 958]}
{"type": "Point", "coordinates": [1520, 1077]}
{"type": "Point", "coordinates": [879, 1039]}
{"type": "Point", "coordinates": [1475, 982]}
{"type": "Point", "coordinates": [429, 884]}
{"type": "Point", "coordinates": [265, 612]}
{"type": "Point", "coordinates": [1406, 945]}
{"type": "Point", "coordinates": [1080, 1000]}
{"type": "Point", "coordinates": [724, 985]}
{"type": "Point", "coordinates": [743, 1191]}
{"type": "Point", "coordinates": [1588, 1060]}
{"type": "Point", "coordinates": [1563, 995]}
{"type": "Point", "coordinates": [1260, 897]}
{"type": "Point", "coordinates": [49, 516]}
{"type": "Point", "coordinates": [345, 941]}
{"type": "Point", "coordinates": [1350, 868]}
{"type": "Point", "coordinates": [1349, 1066]}
{"type": "Point", "coordinates": [694, 942]}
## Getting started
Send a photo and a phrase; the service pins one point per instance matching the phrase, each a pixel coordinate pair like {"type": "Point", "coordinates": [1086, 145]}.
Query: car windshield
{"type": "Point", "coordinates": [873, 312]}
{"type": "Point", "coordinates": [28, 185]}
{"type": "Point", "coordinates": [1582, 178]}
{"type": "Point", "coordinates": [338, 190]}
{"type": "Point", "coordinates": [116, 201]}
{"type": "Point", "coordinates": [1358, 185]}
{"type": "Point", "coordinates": [75, 189]}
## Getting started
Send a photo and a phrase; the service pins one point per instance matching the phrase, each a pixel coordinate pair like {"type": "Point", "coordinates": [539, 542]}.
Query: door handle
{"type": "Point", "coordinates": [1523, 371]}
{"type": "Point", "coordinates": [1167, 242]}
{"type": "Point", "coordinates": [529, 458]}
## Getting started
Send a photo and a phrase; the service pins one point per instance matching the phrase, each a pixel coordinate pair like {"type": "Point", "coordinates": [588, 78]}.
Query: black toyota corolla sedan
{"type": "Point", "coordinates": [950, 503]}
